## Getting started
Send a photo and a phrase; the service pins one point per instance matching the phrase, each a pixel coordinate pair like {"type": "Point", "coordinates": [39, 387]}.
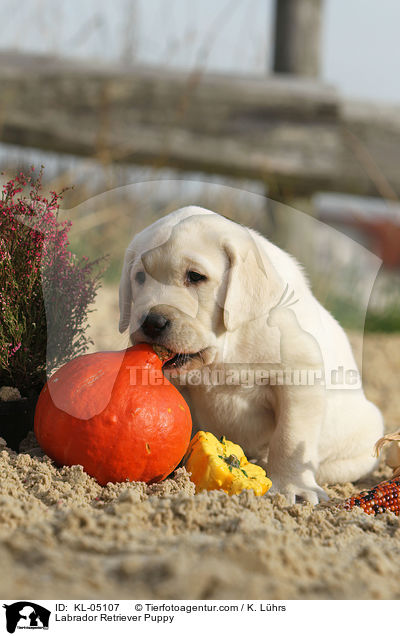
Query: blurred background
{"type": "Point", "coordinates": [280, 114]}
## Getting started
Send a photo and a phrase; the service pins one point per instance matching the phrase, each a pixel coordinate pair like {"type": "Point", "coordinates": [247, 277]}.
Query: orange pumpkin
{"type": "Point", "coordinates": [116, 414]}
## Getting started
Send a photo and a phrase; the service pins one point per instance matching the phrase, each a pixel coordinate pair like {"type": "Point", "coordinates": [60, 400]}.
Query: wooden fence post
{"type": "Point", "coordinates": [296, 51]}
{"type": "Point", "coordinates": [297, 37]}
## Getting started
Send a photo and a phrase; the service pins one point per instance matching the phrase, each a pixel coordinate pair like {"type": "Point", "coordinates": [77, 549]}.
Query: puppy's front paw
{"type": "Point", "coordinates": [296, 491]}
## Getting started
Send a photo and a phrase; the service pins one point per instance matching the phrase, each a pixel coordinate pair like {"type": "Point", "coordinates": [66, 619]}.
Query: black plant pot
{"type": "Point", "coordinates": [16, 420]}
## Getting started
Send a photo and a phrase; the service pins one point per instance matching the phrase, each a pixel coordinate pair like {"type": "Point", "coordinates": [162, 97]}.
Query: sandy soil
{"type": "Point", "coordinates": [64, 536]}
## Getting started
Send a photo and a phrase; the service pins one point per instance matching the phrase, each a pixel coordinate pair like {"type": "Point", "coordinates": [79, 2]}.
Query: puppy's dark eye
{"type": "Point", "coordinates": [140, 277]}
{"type": "Point", "coordinates": [194, 277]}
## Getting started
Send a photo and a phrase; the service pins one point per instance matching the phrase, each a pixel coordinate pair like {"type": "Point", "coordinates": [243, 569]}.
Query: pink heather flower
{"type": "Point", "coordinates": [15, 349]}
{"type": "Point", "coordinates": [37, 268]}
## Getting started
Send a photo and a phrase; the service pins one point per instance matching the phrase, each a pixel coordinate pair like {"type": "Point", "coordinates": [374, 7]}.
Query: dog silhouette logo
{"type": "Point", "coordinates": [26, 615]}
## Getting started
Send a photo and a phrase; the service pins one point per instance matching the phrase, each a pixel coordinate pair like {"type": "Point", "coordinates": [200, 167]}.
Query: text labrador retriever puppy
{"type": "Point", "coordinates": [262, 362]}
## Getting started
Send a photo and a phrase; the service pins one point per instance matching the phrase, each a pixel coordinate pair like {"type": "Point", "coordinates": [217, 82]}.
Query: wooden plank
{"type": "Point", "coordinates": [294, 135]}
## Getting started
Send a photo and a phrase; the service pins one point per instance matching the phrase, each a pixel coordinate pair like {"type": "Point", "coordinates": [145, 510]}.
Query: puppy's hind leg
{"type": "Point", "coordinates": [357, 458]}
{"type": "Point", "coordinates": [340, 471]}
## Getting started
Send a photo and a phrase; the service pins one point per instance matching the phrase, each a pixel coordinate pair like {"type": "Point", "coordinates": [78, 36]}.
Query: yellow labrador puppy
{"type": "Point", "coordinates": [255, 354]}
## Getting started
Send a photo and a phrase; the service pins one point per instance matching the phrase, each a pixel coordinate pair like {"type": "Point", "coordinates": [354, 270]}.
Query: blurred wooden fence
{"type": "Point", "coordinates": [292, 133]}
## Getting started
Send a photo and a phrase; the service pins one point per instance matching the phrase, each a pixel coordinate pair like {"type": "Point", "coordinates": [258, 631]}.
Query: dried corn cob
{"type": "Point", "coordinates": [386, 495]}
{"type": "Point", "coordinates": [382, 498]}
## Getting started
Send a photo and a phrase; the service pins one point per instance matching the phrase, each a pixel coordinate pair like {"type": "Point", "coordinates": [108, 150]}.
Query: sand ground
{"type": "Point", "coordinates": [64, 536]}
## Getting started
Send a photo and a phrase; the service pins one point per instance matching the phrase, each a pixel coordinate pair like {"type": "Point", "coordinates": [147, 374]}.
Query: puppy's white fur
{"type": "Point", "coordinates": [242, 317]}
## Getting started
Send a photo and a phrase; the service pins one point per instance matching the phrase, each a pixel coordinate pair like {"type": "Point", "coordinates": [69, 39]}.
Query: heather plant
{"type": "Point", "coordinates": [45, 290]}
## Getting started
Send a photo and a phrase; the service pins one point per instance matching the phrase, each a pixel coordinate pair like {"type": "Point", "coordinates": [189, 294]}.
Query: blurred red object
{"type": "Point", "coordinates": [385, 239]}
{"type": "Point", "coordinates": [373, 222]}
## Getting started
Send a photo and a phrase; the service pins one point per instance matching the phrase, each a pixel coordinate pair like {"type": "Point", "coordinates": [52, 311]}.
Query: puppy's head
{"type": "Point", "coordinates": [188, 282]}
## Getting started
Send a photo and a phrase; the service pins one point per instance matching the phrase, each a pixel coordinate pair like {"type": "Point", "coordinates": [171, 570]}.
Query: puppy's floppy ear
{"type": "Point", "coordinates": [125, 293]}
{"type": "Point", "coordinates": [253, 286]}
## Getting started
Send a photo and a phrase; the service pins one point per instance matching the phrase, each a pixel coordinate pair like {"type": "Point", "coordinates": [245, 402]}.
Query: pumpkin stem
{"type": "Point", "coordinates": [163, 353]}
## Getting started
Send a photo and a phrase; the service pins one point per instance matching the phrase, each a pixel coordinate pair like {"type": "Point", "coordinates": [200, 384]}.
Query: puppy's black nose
{"type": "Point", "coordinates": [154, 324]}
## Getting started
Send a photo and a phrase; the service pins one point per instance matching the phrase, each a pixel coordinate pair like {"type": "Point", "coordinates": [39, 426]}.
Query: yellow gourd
{"type": "Point", "coordinates": [222, 465]}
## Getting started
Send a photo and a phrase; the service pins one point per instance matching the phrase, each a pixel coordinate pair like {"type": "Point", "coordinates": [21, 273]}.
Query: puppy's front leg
{"type": "Point", "coordinates": [293, 450]}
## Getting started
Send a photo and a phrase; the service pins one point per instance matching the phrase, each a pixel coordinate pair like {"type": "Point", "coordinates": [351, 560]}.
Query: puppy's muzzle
{"type": "Point", "coordinates": [155, 324]}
